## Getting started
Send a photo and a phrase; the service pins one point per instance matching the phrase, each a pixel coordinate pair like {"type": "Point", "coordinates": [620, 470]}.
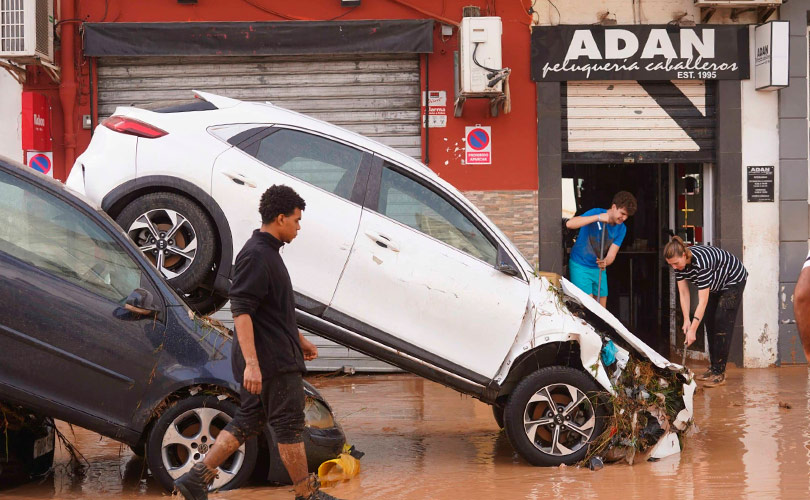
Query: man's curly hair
{"type": "Point", "coordinates": [277, 200]}
{"type": "Point", "coordinates": [625, 200]}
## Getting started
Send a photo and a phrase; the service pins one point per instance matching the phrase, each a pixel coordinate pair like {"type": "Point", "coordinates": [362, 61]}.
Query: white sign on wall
{"type": "Point", "coordinates": [772, 55]}
{"type": "Point", "coordinates": [437, 109]}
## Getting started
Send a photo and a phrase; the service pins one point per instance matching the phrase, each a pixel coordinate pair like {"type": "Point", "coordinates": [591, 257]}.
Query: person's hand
{"type": "Point", "coordinates": [253, 378]}
{"type": "Point", "coordinates": [691, 336]}
{"type": "Point", "coordinates": [601, 263]}
{"type": "Point", "coordinates": [309, 349]}
{"type": "Point", "coordinates": [686, 324]}
{"type": "Point", "coordinates": [599, 217]}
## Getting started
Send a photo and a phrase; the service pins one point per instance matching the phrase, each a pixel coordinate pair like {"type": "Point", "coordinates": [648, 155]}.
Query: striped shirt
{"type": "Point", "coordinates": [712, 268]}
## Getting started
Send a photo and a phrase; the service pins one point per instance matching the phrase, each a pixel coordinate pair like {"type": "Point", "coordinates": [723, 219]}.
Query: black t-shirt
{"type": "Point", "coordinates": [712, 268]}
{"type": "Point", "coordinates": [262, 288]}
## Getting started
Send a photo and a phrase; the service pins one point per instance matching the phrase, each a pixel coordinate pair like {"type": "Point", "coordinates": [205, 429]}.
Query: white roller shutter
{"type": "Point", "coordinates": [619, 116]}
{"type": "Point", "coordinates": [377, 96]}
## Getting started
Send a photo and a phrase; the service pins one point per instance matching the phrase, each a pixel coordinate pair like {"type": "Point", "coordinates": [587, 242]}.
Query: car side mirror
{"type": "Point", "coordinates": [505, 263]}
{"type": "Point", "coordinates": [141, 302]}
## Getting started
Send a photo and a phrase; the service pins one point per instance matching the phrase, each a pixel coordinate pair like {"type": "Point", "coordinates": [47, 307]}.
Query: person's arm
{"type": "Point", "coordinates": [609, 258]}
{"type": "Point", "coordinates": [309, 349]}
{"type": "Point", "coordinates": [683, 293]}
{"type": "Point", "coordinates": [703, 301]}
{"type": "Point", "coordinates": [801, 309]}
{"type": "Point", "coordinates": [583, 220]}
{"type": "Point", "coordinates": [244, 332]}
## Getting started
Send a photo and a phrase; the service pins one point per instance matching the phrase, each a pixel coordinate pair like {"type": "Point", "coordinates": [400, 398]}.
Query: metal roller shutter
{"type": "Point", "coordinates": [377, 96]}
{"type": "Point", "coordinates": [629, 116]}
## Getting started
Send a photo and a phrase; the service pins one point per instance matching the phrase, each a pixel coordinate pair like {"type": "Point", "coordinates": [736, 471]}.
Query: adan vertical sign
{"type": "Point", "coordinates": [639, 52]}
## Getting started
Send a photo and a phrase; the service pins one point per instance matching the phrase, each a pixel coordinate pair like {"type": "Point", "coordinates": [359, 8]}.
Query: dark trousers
{"type": "Point", "coordinates": [720, 316]}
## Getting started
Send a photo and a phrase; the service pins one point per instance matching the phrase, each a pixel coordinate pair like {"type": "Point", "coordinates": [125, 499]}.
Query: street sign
{"type": "Point", "coordinates": [478, 150]}
{"type": "Point", "coordinates": [41, 162]}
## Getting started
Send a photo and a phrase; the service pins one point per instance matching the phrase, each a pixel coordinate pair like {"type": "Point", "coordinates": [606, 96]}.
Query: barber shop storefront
{"type": "Point", "coordinates": [640, 108]}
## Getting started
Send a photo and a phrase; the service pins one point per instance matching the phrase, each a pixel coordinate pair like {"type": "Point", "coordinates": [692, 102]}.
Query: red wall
{"type": "Point", "coordinates": [514, 136]}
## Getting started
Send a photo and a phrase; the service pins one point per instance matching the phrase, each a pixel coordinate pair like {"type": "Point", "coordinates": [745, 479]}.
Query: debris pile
{"type": "Point", "coordinates": [647, 409]}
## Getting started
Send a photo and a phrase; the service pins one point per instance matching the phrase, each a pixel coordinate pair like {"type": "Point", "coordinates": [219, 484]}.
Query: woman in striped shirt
{"type": "Point", "coordinates": [720, 279]}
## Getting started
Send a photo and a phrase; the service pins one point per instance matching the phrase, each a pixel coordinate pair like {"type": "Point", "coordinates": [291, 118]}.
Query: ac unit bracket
{"type": "Point", "coordinates": [15, 70]}
{"type": "Point", "coordinates": [495, 98]}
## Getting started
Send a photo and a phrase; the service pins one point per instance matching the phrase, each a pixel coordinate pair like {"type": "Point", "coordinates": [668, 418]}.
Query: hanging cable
{"type": "Point", "coordinates": [443, 19]}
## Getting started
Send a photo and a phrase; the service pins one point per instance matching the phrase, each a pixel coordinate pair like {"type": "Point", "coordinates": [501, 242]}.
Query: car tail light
{"type": "Point", "coordinates": [134, 127]}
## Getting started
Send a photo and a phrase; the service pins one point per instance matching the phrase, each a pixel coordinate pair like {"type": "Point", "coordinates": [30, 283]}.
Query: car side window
{"type": "Point", "coordinates": [50, 234]}
{"type": "Point", "coordinates": [409, 202]}
{"type": "Point", "coordinates": [330, 165]}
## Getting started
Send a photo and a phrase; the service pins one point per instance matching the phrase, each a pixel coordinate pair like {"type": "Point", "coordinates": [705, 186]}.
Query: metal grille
{"type": "Point", "coordinates": [377, 96]}
{"type": "Point", "coordinates": [12, 25]}
{"type": "Point", "coordinates": [43, 24]}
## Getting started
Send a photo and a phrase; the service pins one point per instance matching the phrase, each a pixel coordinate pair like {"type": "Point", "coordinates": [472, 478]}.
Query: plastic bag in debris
{"type": "Point", "coordinates": [342, 468]}
{"type": "Point", "coordinates": [609, 351]}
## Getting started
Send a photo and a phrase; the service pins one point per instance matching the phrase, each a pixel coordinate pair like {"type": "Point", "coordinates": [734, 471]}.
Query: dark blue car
{"type": "Point", "coordinates": [91, 334]}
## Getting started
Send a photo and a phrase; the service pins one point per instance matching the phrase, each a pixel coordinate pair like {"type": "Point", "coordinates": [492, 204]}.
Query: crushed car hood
{"type": "Point", "coordinates": [592, 305]}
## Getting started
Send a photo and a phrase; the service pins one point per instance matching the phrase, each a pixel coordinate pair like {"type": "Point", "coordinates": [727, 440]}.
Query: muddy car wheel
{"type": "Point", "coordinates": [553, 415]}
{"type": "Point", "coordinates": [183, 435]}
{"type": "Point", "coordinates": [174, 234]}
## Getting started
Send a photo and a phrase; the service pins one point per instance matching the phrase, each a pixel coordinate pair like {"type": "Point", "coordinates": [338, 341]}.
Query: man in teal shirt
{"type": "Point", "coordinates": [585, 264]}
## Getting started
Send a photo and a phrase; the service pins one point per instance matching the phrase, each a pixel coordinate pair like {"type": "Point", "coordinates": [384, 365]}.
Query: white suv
{"type": "Point", "coordinates": [391, 260]}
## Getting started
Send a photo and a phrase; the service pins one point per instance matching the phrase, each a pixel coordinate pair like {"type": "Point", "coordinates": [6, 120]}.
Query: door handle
{"type": "Point", "coordinates": [382, 241]}
{"type": "Point", "coordinates": [239, 179]}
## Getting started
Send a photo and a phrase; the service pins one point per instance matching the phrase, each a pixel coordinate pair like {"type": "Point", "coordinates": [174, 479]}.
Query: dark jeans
{"type": "Point", "coordinates": [720, 316]}
{"type": "Point", "coordinates": [281, 403]}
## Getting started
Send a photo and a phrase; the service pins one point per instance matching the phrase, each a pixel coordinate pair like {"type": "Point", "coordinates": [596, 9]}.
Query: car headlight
{"type": "Point", "coordinates": [317, 415]}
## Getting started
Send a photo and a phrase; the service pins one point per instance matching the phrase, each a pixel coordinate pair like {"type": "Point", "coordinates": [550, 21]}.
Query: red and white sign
{"type": "Point", "coordinates": [437, 109]}
{"type": "Point", "coordinates": [41, 161]}
{"type": "Point", "coordinates": [478, 150]}
{"type": "Point", "coordinates": [36, 122]}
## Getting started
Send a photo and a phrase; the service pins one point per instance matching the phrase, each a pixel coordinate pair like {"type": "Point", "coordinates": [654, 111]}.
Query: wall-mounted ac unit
{"type": "Point", "coordinates": [480, 40]}
{"type": "Point", "coordinates": [26, 30]}
{"type": "Point", "coordinates": [738, 4]}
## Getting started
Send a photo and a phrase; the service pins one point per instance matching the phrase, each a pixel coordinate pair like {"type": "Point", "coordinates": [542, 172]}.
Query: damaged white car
{"type": "Point", "coordinates": [391, 261]}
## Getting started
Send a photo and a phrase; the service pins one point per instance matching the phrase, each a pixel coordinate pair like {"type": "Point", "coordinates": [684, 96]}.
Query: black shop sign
{"type": "Point", "coordinates": [639, 52]}
{"type": "Point", "coordinates": [760, 183]}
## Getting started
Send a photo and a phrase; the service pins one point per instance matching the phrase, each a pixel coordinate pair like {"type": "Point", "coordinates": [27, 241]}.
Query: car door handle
{"type": "Point", "coordinates": [382, 241]}
{"type": "Point", "coordinates": [239, 179]}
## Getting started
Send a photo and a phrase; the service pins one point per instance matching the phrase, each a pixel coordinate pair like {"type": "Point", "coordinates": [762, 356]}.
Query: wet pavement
{"type": "Point", "coordinates": [423, 441]}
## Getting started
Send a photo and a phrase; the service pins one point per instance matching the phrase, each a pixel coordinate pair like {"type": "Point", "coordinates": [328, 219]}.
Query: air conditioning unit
{"type": "Point", "coordinates": [481, 70]}
{"type": "Point", "coordinates": [738, 4]}
{"type": "Point", "coordinates": [26, 30]}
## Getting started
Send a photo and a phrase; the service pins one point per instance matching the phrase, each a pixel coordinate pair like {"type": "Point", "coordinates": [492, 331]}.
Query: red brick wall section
{"type": "Point", "coordinates": [515, 213]}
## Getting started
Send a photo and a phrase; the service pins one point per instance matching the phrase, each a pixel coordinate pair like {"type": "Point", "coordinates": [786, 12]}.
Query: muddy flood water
{"type": "Point", "coordinates": [423, 441]}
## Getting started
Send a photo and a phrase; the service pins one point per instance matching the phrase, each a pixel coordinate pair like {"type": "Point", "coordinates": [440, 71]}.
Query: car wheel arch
{"type": "Point", "coordinates": [558, 353]}
{"type": "Point", "coordinates": [119, 197]}
{"type": "Point", "coordinates": [154, 409]}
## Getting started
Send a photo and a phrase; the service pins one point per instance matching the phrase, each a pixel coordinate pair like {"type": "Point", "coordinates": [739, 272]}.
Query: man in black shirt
{"type": "Point", "coordinates": [268, 352]}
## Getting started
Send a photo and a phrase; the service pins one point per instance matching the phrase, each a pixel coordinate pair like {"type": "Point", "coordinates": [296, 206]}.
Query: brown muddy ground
{"type": "Point", "coordinates": [423, 441]}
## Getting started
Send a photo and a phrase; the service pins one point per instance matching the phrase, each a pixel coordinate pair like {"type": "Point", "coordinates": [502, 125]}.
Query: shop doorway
{"type": "Point", "coordinates": [670, 200]}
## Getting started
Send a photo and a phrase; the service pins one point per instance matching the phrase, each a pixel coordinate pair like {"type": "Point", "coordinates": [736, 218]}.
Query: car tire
{"type": "Point", "coordinates": [497, 412]}
{"type": "Point", "coordinates": [204, 302]}
{"type": "Point", "coordinates": [185, 271]}
{"type": "Point", "coordinates": [536, 411]}
{"type": "Point", "coordinates": [177, 441]}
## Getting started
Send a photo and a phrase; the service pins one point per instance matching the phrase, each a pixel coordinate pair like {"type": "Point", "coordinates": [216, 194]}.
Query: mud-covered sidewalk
{"type": "Point", "coordinates": [424, 441]}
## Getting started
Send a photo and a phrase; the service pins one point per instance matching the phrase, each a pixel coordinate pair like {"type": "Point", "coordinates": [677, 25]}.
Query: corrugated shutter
{"type": "Point", "coordinates": [377, 96]}
{"type": "Point", "coordinates": [624, 116]}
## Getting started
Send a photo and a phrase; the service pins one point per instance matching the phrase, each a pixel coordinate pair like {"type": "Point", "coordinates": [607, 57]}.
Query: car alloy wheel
{"type": "Point", "coordinates": [167, 238]}
{"type": "Point", "coordinates": [183, 435]}
{"type": "Point", "coordinates": [176, 234]}
{"type": "Point", "coordinates": [190, 437]}
{"type": "Point", "coordinates": [554, 414]}
{"type": "Point", "coordinates": [559, 419]}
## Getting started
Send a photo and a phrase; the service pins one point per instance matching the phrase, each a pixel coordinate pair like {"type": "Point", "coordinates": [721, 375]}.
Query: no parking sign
{"type": "Point", "coordinates": [42, 162]}
{"type": "Point", "coordinates": [479, 146]}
